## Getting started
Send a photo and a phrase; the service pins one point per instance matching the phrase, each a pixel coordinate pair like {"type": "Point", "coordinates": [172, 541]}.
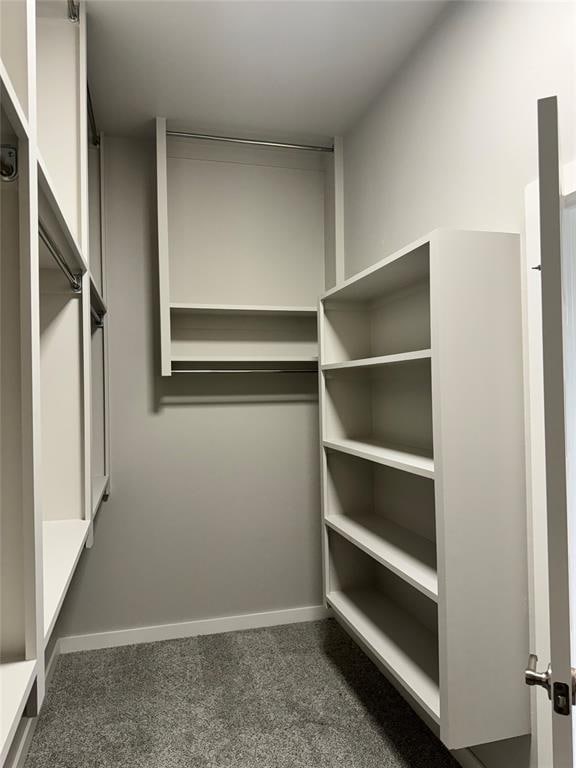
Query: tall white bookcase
{"type": "Point", "coordinates": [423, 481]}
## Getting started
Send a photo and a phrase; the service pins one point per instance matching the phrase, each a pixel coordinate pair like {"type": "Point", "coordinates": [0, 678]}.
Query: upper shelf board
{"type": "Point", "coordinates": [403, 459]}
{"type": "Point", "coordinates": [243, 309]}
{"type": "Point", "coordinates": [409, 265]}
{"type": "Point", "coordinates": [47, 188]}
{"type": "Point", "coordinates": [380, 361]}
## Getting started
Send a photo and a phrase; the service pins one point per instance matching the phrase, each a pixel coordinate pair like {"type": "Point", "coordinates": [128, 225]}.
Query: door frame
{"type": "Point", "coordinates": [541, 709]}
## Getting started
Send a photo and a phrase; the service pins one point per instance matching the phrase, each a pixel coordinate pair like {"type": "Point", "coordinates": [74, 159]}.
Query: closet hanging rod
{"type": "Point", "coordinates": [74, 280]}
{"type": "Point", "coordinates": [73, 11]}
{"type": "Point", "coordinates": [252, 142]}
{"type": "Point", "coordinates": [245, 370]}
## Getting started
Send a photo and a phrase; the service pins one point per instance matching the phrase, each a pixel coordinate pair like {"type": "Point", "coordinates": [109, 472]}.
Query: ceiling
{"type": "Point", "coordinates": [283, 69]}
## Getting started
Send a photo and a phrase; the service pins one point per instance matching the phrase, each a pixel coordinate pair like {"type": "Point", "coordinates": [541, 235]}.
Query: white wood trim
{"type": "Point", "coordinates": [135, 635]}
{"type": "Point", "coordinates": [163, 246]}
{"type": "Point", "coordinates": [31, 395]}
{"type": "Point", "coordinates": [104, 293]}
{"type": "Point", "coordinates": [339, 242]}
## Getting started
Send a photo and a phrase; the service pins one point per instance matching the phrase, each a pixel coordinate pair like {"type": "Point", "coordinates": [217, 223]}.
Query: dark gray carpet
{"type": "Point", "coordinates": [295, 696]}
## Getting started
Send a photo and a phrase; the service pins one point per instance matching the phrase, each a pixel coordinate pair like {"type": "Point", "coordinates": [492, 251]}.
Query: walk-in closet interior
{"type": "Point", "coordinates": [267, 454]}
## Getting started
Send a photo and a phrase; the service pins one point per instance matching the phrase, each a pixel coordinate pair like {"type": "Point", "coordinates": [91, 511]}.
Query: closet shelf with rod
{"type": "Point", "coordinates": [50, 210]}
{"type": "Point", "coordinates": [245, 293]}
{"type": "Point", "coordinates": [75, 280]}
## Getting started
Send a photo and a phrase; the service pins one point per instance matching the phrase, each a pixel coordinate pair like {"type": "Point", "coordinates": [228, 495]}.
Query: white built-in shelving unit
{"type": "Point", "coordinates": [52, 412]}
{"type": "Point", "coordinates": [423, 492]}
{"type": "Point", "coordinates": [242, 248]}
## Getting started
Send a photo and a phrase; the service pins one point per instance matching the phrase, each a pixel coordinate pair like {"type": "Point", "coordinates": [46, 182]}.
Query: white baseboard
{"type": "Point", "coordinates": [184, 629]}
{"type": "Point", "coordinates": [467, 759]}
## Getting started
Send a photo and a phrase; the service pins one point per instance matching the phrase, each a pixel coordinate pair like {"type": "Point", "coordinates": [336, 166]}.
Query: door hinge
{"type": "Point", "coordinates": [562, 695]}
{"type": "Point", "coordinates": [8, 162]}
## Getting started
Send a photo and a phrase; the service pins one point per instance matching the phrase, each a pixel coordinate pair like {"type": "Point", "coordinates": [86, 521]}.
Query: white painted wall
{"type": "Point", "coordinates": [452, 140]}
{"type": "Point", "coordinates": [215, 507]}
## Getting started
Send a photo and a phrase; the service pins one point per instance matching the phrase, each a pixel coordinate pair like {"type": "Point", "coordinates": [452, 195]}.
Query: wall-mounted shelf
{"type": "Point", "coordinates": [63, 541]}
{"type": "Point", "coordinates": [406, 650]}
{"type": "Point", "coordinates": [409, 556]}
{"type": "Point", "coordinates": [50, 211]}
{"type": "Point", "coordinates": [422, 350]}
{"type": "Point", "coordinates": [99, 490]}
{"type": "Point", "coordinates": [244, 292]}
{"type": "Point", "coordinates": [404, 460]}
{"type": "Point", "coordinates": [379, 361]}
{"type": "Point", "coordinates": [16, 680]}
{"type": "Point", "coordinates": [239, 309]}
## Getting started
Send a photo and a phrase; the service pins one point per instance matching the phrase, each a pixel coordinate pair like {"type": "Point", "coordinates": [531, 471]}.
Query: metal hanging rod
{"type": "Point", "coordinates": [92, 120]}
{"type": "Point", "coordinates": [252, 142]}
{"type": "Point", "coordinates": [245, 370]}
{"type": "Point", "coordinates": [74, 280]}
{"type": "Point", "coordinates": [73, 11]}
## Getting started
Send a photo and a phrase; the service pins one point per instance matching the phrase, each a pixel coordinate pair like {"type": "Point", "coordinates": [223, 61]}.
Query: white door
{"type": "Point", "coordinates": [558, 277]}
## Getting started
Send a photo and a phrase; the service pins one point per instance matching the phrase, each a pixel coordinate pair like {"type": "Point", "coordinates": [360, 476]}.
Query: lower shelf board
{"type": "Point", "coordinates": [99, 486]}
{"type": "Point", "coordinates": [16, 680]}
{"type": "Point", "coordinates": [405, 648]}
{"type": "Point", "coordinates": [62, 546]}
{"type": "Point", "coordinates": [409, 556]}
{"type": "Point", "coordinates": [394, 457]}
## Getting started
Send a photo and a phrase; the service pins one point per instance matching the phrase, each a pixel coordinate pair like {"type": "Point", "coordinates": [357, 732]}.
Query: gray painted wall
{"type": "Point", "coordinates": [214, 508]}
{"type": "Point", "coordinates": [452, 142]}
{"type": "Point", "coordinates": [452, 139]}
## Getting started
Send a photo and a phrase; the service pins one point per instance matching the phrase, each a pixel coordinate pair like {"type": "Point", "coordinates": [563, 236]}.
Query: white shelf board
{"type": "Point", "coordinates": [47, 187]}
{"type": "Point", "coordinates": [248, 359]}
{"type": "Point", "coordinates": [397, 458]}
{"type": "Point", "coordinates": [99, 487]}
{"type": "Point", "coordinates": [16, 680]}
{"type": "Point", "coordinates": [381, 361]}
{"type": "Point", "coordinates": [404, 647]}
{"type": "Point", "coordinates": [409, 556]}
{"type": "Point", "coordinates": [62, 546]}
{"type": "Point", "coordinates": [402, 268]}
{"type": "Point", "coordinates": [243, 309]}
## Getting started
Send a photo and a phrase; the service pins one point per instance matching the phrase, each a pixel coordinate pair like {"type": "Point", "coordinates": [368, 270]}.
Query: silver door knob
{"type": "Point", "coordinates": [533, 677]}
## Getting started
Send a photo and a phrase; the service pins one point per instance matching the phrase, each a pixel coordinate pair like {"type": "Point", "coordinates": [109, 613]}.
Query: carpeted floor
{"type": "Point", "coordinates": [296, 696]}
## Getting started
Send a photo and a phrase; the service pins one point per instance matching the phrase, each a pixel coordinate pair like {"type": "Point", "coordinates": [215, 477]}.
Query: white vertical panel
{"type": "Point", "coordinates": [163, 255]}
